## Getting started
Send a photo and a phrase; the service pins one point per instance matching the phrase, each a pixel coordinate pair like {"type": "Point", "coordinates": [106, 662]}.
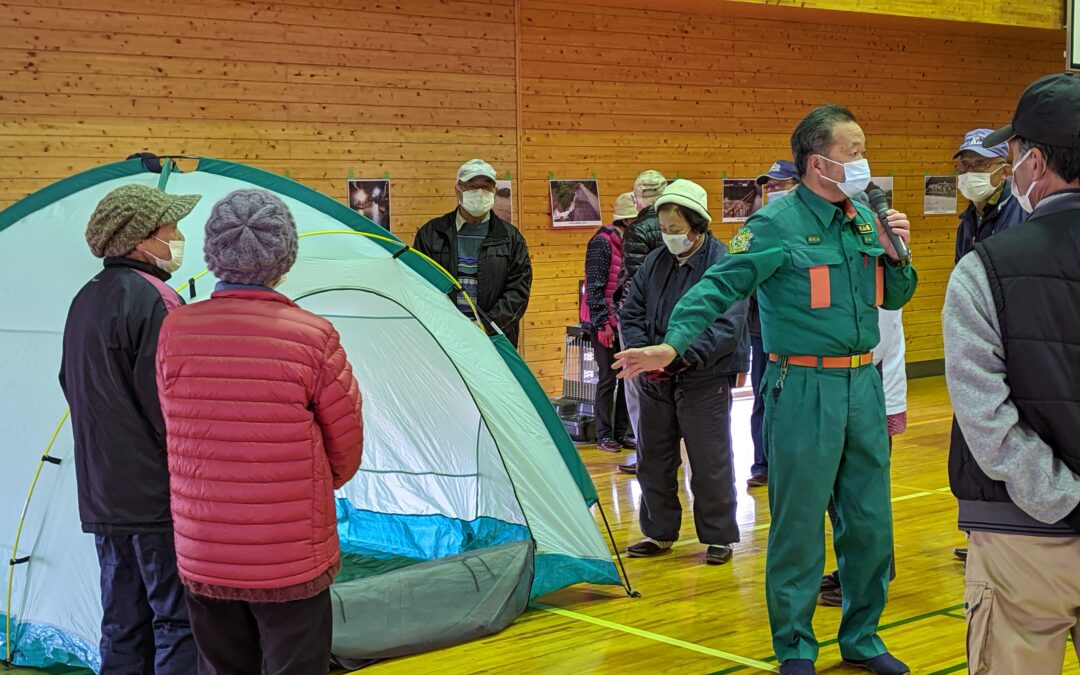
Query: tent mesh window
{"type": "Point", "coordinates": [580, 374]}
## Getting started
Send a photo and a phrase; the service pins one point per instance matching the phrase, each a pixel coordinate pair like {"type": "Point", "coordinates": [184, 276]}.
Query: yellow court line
{"type": "Point", "coordinates": [657, 637]}
{"type": "Point", "coordinates": [765, 526]}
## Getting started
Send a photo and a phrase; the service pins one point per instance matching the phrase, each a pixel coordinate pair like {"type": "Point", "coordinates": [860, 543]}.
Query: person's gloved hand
{"type": "Point", "coordinates": [605, 336]}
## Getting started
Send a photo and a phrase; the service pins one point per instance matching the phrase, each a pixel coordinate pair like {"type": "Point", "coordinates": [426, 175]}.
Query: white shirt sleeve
{"type": "Point", "coordinates": [890, 354]}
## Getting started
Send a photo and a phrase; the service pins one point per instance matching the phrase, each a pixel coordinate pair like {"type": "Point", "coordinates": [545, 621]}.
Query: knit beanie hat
{"type": "Point", "coordinates": [131, 213]}
{"type": "Point", "coordinates": [686, 193]}
{"type": "Point", "coordinates": [250, 238]}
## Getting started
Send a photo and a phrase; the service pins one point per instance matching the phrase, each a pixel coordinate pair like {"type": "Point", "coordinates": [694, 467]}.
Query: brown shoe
{"type": "Point", "coordinates": [609, 445]}
{"type": "Point", "coordinates": [831, 598]}
{"type": "Point", "coordinates": [757, 480]}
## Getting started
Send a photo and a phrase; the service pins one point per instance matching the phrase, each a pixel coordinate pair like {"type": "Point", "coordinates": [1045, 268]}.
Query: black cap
{"type": "Point", "coordinates": [1048, 112]}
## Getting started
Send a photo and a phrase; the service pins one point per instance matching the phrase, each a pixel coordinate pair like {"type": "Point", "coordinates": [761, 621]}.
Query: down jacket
{"type": "Point", "coordinates": [263, 419]}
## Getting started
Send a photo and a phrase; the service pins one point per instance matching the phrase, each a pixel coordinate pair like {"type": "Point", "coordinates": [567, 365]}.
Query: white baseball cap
{"type": "Point", "coordinates": [686, 193]}
{"type": "Point", "coordinates": [473, 168]}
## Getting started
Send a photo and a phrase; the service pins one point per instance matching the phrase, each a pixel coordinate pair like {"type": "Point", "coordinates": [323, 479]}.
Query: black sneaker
{"type": "Point", "coordinates": [718, 555]}
{"type": "Point", "coordinates": [628, 468]}
{"type": "Point", "coordinates": [647, 548]}
{"type": "Point", "coordinates": [798, 667]}
{"type": "Point", "coordinates": [628, 443]}
{"type": "Point", "coordinates": [883, 664]}
{"type": "Point", "coordinates": [960, 554]}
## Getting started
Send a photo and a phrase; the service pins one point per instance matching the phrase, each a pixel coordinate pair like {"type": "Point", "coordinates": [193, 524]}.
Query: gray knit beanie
{"type": "Point", "coordinates": [250, 238]}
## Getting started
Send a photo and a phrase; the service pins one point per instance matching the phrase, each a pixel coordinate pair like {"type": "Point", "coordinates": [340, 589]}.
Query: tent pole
{"type": "Point", "coordinates": [630, 592]}
{"type": "Point", "coordinates": [18, 535]}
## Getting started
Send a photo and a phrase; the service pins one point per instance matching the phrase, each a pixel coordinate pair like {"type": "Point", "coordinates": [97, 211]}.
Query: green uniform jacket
{"type": "Point", "coordinates": [820, 273]}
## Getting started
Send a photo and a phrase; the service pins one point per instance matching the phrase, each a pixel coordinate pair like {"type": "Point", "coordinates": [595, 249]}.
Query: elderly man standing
{"type": "Point", "coordinates": [981, 172]}
{"type": "Point", "coordinates": [822, 265]}
{"type": "Point", "coordinates": [1012, 365]}
{"type": "Point", "coordinates": [486, 255]}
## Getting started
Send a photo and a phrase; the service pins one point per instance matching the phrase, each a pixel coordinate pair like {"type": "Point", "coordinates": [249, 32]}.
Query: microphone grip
{"type": "Point", "coordinates": [898, 243]}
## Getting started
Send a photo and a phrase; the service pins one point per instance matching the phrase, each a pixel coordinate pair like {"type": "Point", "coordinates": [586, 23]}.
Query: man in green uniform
{"type": "Point", "coordinates": [822, 266]}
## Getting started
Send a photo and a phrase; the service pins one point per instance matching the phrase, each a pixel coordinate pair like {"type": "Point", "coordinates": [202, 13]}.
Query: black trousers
{"type": "Point", "coordinates": [697, 411]}
{"type": "Point", "coordinates": [612, 420]}
{"type": "Point", "coordinates": [256, 638]}
{"type": "Point", "coordinates": [144, 624]}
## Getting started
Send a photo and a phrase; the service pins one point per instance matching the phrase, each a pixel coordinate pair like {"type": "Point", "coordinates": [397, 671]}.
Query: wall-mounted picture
{"type": "Point", "coordinates": [939, 195]}
{"type": "Point", "coordinates": [575, 203]}
{"type": "Point", "coordinates": [883, 183]}
{"type": "Point", "coordinates": [504, 201]}
{"type": "Point", "coordinates": [372, 199]}
{"type": "Point", "coordinates": [742, 197]}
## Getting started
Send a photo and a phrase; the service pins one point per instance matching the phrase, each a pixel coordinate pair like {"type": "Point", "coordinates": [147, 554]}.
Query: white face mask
{"type": "Point", "coordinates": [977, 186]}
{"type": "Point", "coordinates": [176, 249]}
{"type": "Point", "coordinates": [1025, 199]}
{"type": "Point", "coordinates": [677, 243]}
{"type": "Point", "coordinates": [477, 202]}
{"type": "Point", "coordinates": [777, 195]}
{"type": "Point", "coordinates": [856, 176]}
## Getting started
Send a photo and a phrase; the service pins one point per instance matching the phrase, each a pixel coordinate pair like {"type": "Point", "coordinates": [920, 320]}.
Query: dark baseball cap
{"type": "Point", "coordinates": [780, 170]}
{"type": "Point", "coordinates": [1048, 112]}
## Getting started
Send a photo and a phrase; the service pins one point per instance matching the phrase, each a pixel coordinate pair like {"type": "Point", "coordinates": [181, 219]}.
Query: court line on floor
{"type": "Point", "coordinates": [766, 525]}
{"type": "Point", "coordinates": [883, 627]}
{"type": "Point", "coordinates": [951, 669]}
{"type": "Point", "coordinates": [657, 637]}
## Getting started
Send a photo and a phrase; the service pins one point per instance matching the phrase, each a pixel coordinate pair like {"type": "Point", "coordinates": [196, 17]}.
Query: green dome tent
{"type": "Point", "coordinates": [471, 498]}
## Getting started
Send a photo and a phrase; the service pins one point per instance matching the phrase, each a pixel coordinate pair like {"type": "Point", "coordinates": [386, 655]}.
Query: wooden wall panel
{"type": "Point", "coordinates": [702, 89]}
{"type": "Point", "coordinates": [610, 88]}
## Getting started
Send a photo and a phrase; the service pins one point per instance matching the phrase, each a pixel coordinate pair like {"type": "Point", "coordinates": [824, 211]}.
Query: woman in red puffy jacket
{"type": "Point", "coordinates": [263, 419]}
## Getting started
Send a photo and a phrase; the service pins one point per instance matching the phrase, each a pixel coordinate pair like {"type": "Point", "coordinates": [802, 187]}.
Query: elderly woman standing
{"type": "Point", "coordinates": [690, 400]}
{"type": "Point", "coordinates": [603, 263]}
{"type": "Point", "coordinates": [263, 420]}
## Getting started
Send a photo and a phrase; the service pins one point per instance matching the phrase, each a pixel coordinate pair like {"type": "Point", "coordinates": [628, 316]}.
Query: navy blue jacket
{"type": "Point", "coordinates": [997, 217]}
{"type": "Point", "coordinates": [108, 374]}
{"type": "Point", "coordinates": [723, 349]}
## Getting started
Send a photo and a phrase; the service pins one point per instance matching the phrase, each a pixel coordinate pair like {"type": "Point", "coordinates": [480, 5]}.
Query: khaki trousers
{"type": "Point", "coordinates": [1022, 600]}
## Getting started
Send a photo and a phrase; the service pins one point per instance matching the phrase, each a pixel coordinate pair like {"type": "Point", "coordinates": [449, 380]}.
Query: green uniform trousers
{"type": "Point", "coordinates": [825, 435]}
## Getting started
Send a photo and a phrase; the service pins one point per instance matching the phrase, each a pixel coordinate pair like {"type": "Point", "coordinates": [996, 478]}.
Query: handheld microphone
{"type": "Point", "coordinates": [880, 204]}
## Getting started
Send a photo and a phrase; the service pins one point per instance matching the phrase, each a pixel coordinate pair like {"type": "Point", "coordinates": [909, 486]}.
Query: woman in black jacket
{"type": "Point", "coordinates": [690, 400]}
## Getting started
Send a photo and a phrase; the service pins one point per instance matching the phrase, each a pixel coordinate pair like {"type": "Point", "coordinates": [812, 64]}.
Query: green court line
{"type": "Point", "coordinates": [656, 637]}
{"type": "Point", "coordinates": [956, 616]}
{"type": "Point", "coordinates": [882, 627]}
{"type": "Point", "coordinates": [951, 669]}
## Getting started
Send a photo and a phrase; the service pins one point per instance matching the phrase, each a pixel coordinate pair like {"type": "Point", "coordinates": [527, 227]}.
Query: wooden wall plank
{"type": "Point", "coordinates": [702, 89]}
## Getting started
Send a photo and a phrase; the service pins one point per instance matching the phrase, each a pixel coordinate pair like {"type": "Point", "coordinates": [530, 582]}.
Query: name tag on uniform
{"type": "Point", "coordinates": [868, 239]}
{"type": "Point", "coordinates": [813, 239]}
{"type": "Point", "coordinates": [865, 228]}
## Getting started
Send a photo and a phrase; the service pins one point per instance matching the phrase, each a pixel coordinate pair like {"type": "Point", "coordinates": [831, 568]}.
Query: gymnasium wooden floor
{"type": "Point", "coordinates": [693, 618]}
{"type": "Point", "coordinates": [711, 620]}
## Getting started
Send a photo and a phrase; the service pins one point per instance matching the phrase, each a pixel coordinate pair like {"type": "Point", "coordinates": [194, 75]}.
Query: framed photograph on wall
{"type": "Point", "coordinates": [372, 199]}
{"type": "Point", "coordinates": [575, 203]}
{"type": "Point", "coordinates": [1072, 35]}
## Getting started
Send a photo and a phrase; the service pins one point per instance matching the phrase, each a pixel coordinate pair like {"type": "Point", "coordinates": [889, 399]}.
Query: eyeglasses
{"type": "Point", "coordinates": [978, 166]}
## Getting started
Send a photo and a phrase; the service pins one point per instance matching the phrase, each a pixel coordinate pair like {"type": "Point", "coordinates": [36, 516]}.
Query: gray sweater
{"type": "Point", "coordinates": [1007, 448]}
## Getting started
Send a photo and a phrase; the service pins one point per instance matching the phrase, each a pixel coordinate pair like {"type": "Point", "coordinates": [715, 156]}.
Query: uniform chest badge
{"type": "Point", "coordinates": [865, 228]}
{"type": "Point", "coordinates": [813, 239]}
{"type": "Point", "coordinates": [740, 243]}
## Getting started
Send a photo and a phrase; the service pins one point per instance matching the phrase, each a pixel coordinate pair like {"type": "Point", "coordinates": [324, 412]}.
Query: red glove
{"type": "Point", "coordinates": [606, 337]}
